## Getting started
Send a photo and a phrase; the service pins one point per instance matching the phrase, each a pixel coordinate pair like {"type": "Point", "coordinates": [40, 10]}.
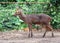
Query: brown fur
{"type": "Point", "coordinates": [43, 19]}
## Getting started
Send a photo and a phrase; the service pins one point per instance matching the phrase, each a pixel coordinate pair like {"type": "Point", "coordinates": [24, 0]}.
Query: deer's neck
{"type": "Point", "coordinates": [22, 17]}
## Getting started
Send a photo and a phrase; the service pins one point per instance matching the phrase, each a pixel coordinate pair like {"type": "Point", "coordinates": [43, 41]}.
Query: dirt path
{"type": "Point", "coordinates": [22, 37]}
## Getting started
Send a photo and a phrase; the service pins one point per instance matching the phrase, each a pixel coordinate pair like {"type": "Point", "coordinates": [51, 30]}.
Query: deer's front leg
{"type": "Point", "coordinates": [30, 31]}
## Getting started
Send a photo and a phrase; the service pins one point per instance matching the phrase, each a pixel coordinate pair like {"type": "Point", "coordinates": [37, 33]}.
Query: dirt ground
{"type": "Point", "coordinates": [22, 37]}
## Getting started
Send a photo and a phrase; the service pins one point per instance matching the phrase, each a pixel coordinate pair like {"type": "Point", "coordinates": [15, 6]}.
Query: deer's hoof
{"type": "Point", "coordinates": [52, 35]}
{"type": "Point", "coordinates": [43, 36]}
{"type": "Point", "coordinates": [30, 35]}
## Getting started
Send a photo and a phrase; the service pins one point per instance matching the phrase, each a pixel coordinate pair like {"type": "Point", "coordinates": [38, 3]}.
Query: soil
{"type": "Point", "coordinates": [20, 36]}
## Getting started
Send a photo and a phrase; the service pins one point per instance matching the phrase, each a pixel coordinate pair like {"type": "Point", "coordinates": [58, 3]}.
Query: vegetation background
{"type": "Point", "coordinates": [9, 22]}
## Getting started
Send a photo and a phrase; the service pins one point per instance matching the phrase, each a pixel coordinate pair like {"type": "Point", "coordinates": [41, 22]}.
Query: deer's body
{"type": "Point", "coordinates": [35, 19]}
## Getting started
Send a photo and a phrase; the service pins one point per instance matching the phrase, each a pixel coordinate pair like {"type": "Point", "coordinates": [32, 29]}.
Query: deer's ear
{"type": "Point", "coordinates": [17, 8]}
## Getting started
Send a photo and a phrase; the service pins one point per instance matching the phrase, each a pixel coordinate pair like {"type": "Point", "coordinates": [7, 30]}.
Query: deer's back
{"type": "Point", "coordinates": [37, 19]}
{"type": "Point", "coordinates": [32, 18]}
{"type": "Point", "coordinates": [44, 18]}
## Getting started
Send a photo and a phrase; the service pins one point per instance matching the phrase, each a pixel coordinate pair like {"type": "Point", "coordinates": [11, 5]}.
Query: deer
{"type": "Point", "coordinates": [42, 19]}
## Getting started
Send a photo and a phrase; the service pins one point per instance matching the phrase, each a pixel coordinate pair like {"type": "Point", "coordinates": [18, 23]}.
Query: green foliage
{"type": "Point", "coordinates": [55, 3]}
{"type": "Point", "coordinates": [9, 22]}
{"type": "Point", "coordinates": [55, 13]}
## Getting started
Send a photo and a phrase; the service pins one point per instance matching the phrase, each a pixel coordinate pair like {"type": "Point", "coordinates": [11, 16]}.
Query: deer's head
{"type": "Point", "coordinates": [18, 12]}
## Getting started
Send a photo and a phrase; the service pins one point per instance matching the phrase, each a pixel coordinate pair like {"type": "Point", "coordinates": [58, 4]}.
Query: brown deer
{"type": "Point", "coordinates": [35, 19]}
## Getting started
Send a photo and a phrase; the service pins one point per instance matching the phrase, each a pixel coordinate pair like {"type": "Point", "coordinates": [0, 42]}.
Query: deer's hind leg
{"type": "Point", "coordinates": [44, 34]}
{"type": "Point", "coordinates": [45, 30]}
{"type": "Point", "coordinates": [49, 28]}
